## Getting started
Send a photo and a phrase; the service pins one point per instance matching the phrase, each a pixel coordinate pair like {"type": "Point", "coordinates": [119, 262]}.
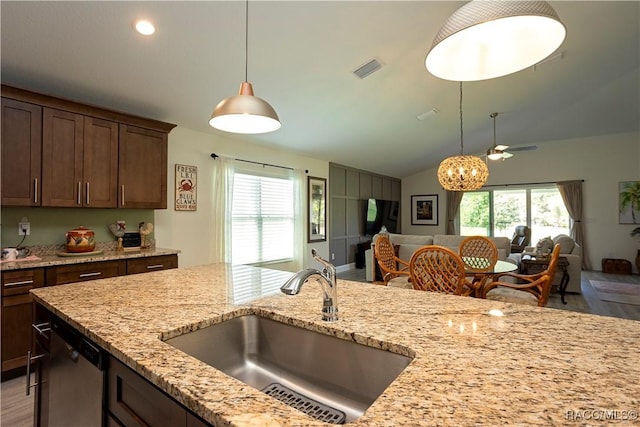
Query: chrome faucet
{"type": "Point", "coordinates": [328, 282]}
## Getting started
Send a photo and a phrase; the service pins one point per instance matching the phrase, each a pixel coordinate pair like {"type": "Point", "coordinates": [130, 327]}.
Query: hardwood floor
{"type": "Point", "coordinates": [17, 409]}
{"type": "Point", "coordinates": [587, 302]}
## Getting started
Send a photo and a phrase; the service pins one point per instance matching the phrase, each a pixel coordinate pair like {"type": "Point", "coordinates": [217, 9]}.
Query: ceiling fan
{"type": "Point", "coordinates": [498, 152]}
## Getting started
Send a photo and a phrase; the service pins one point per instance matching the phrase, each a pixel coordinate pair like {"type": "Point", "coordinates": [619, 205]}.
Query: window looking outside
{"type": "Point", "coordinates": [497, 212]}
{"type": "Point", "coordinates": [262, 219]}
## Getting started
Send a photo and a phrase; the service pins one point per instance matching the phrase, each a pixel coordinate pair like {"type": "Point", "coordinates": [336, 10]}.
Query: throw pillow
{"type": "Point", "coordinates": [545, 245]}
{"type": "Point", "coordinates": [566, 243]}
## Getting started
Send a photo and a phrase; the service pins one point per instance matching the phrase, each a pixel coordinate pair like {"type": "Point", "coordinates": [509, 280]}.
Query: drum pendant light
{"type": "Point", "coordinates": [487, 39]}
{"type": "Point", "coordinates": [245, 112]}
{"type": "Point", "coordinates": [462, 173]}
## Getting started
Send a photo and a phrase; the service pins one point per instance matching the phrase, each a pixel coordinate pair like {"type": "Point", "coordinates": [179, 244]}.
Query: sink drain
{"type": "Point", "coordinates": [305, 404]}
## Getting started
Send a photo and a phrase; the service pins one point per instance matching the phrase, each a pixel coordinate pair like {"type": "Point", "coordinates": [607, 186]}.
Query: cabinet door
{"type": "Point", "coordinates": [62, 137]}
{"type": "Point", "coordinates": [148, 264]}
{"type": "Point", "coordinates": [100, 164]}
{"type": "Point", "coordinates": [142, 173]}
{"type": "Point", "coordinates": [17, 316]}
{"type": "Point", "coordinates": [21, 153]}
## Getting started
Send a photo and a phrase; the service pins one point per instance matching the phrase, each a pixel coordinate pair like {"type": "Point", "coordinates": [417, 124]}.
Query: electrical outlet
{"type": "Point", "coordinates": [333, 256]}
{"type": "Point", "coordinates": [24, 229]}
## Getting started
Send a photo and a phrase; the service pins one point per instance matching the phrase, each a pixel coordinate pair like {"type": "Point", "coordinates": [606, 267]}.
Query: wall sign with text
{"type": "Point", "coordinates": [186, 187]}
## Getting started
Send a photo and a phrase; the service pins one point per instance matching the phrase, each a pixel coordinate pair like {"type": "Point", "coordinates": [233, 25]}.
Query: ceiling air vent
{"type": "Point", "coordinates": [368, 68]}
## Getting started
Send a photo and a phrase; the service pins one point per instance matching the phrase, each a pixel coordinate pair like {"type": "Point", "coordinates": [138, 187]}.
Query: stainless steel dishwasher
{"type": "Point", "coordinates": [76, 379]}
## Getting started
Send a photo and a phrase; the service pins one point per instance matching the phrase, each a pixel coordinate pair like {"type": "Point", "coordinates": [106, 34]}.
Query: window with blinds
{"type": "Point", "coordinates": [262, 219]}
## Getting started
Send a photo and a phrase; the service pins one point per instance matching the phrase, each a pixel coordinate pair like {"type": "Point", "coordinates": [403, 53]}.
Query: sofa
{"type": "Point", "coordinates": [409, 243]}
{"type": "Point", "coordinates": [568, 249]}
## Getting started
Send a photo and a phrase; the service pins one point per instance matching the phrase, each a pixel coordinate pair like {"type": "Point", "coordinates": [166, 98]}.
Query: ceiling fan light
{"type": "Point", "coordinates": [494, 154]}
{"type": "Point", "coordinates": [244, 113]}
{"type": "Point", "coordinates": [487, 39]}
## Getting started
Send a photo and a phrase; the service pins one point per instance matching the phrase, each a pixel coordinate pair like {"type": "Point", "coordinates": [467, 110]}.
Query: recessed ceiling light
{"type": "Point", "coordinates": [144, 27]}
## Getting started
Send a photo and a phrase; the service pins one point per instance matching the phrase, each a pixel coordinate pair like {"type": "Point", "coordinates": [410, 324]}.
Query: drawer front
{"type": "Point", "coordinates": [16, 282]}
{"type": "Point", "coordinates": [86, 271]}
{"type": "Point", "coordinates": [135, 402]}
{"type": "Point", "coordinates": [154, 263]}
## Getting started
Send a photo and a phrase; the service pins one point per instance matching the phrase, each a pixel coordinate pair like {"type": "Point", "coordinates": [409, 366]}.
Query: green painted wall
{"type": "Point", "coordinates": [49, 225]}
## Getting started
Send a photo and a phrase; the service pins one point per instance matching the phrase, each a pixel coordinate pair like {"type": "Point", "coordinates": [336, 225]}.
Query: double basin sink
{"type": "Point", "coordinates": [331, 379]}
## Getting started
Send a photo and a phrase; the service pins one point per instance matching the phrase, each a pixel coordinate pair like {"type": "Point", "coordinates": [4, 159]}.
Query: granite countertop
{"type": "Point", "coordinates": [532, 366]}
{"type": "Point", "coordinates": [49, 257]}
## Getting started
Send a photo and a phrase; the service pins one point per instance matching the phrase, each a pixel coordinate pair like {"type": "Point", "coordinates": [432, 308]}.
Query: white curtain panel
{"type": "Point", "coordinates": [221, 208]}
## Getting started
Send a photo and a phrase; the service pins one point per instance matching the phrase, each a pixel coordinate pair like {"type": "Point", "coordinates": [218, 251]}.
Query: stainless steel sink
{"type": "Point", "coordinates": [326, 377]}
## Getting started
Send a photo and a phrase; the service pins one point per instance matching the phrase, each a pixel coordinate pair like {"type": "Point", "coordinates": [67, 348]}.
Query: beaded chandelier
{"type": "Point", "coordinates": [462, 173]}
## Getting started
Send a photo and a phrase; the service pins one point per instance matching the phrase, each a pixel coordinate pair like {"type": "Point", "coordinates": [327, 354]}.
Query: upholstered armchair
{"type": "Point", "coordinates": [521, 239]}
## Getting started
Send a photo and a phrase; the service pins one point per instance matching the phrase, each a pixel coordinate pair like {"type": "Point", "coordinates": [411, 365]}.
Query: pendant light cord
{"type": "Point", "coordinates": [461, 134]}
{"type": "Point", "coordinates": [494, 129]}
{"type": "Point", "coordinates": [246, 41]}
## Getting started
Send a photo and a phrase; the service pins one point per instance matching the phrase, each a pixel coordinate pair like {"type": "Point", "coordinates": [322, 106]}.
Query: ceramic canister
{"type": "Point", "coordinates": [80, 239]}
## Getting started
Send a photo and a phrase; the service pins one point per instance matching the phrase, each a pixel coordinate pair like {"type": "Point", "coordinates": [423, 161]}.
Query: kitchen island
{"type": "Point", "coordinates": [531, 366]}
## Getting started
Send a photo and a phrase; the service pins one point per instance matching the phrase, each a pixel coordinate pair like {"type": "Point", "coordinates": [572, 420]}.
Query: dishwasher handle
{"type": "Point", "coordinates": [42, 328]}
{"type": "Point", "coordinates": [29, 360]}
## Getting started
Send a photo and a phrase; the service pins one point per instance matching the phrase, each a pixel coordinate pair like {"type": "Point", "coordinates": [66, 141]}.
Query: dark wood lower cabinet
{"type": "Point", "coordinates": [16, 316]}
{"type": "Point", "coordinates": [16, 330]}
{"type": "Point", "coordinates": [133, 401]}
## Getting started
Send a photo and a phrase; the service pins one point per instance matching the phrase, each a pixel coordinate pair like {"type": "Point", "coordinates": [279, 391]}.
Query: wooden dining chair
{"type": "Point", "coordinates": [479, 255]}
{"type": "Point", "coordinates": [535, 289]}
{"type": "Point", "coordinates": [395, 271]}
{"type": "Point", "coordinates": [438, 269]}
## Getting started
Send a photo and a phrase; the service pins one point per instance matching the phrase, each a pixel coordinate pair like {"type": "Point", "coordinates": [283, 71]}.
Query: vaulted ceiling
{"type": "Point", "coordinates": [301, 58]}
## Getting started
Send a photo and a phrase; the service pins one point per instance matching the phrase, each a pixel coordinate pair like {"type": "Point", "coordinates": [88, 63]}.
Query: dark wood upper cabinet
{"type": "Point", "coordinates": [21, 153]}
{"type": "Point", "coordinates": [62, 137]}
{"type": "Point", "coordinates": [142, 173]}
{"type": "Point", "coordinates": [80, 160]}
{"type": "Point", "coordinates": [61, 153]}
{"type": "Point", "coordinates": [100, 163]}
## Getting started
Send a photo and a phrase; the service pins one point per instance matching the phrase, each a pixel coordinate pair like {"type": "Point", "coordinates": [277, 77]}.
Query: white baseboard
{"type": "Point", "coordinates": [345, 267]}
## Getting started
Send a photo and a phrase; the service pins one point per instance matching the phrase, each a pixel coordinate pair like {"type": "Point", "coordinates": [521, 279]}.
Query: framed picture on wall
{"type": "Point", "coordinates": [317, 207]}
{"type": "Point", "coordinates": [629, 202]}
{"type": "Point", "coordinates": [424, 209]}
{"type": "Point", "coordinates": [186, 186]}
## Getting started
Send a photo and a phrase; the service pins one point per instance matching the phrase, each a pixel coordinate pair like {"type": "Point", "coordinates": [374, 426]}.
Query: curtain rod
{"type": "Point", "coordinates": [530, 183]}
{"type": "Point", "coordinates": [215, 156]}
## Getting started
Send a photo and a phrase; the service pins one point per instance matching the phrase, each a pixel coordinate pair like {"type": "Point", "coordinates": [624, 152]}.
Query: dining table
{"type": "Point", "coordinates": [482, 276]}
